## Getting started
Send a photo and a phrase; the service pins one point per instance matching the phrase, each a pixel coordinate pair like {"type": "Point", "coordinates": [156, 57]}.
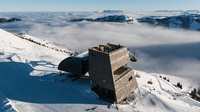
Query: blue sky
{"type": "Point", "coordinates": [95, 5]}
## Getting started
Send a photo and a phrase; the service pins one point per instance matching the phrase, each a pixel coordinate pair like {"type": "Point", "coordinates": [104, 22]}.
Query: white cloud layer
{"type": "Point", "coordinates": [158, 49]}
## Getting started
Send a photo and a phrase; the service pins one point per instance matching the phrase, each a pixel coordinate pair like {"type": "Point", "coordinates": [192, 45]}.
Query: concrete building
{"type": "Point", "coordinates": [111, 79]}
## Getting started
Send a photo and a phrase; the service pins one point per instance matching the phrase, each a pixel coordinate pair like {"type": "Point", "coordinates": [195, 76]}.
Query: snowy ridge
{"type": "Point", "coordinates": [30, 82]}
{"type": "Point", "coordinates": [44, 43]}
{"type": "Point", "coordinates": [14, 44]}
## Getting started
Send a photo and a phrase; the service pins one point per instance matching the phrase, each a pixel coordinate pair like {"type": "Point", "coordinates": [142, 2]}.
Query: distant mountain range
{"type": "Point", "coordinates": [110, 18]}
{"type": "Point", "coordinates": [4, 20]}
{"type": "Point", "coordinates": [112, 11]}
{"type": "Point", "coordinates": [187, 21]}
{"type": "Point", "coordinates": [186, 11]}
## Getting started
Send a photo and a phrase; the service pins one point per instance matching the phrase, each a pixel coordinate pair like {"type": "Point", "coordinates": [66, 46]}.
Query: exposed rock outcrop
{"type": "Point", "coordinates": [4, 20]}
{"type": "Point", "coordinates": [111, 18]}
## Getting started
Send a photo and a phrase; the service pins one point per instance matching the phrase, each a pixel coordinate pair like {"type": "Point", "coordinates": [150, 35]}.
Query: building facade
{"type": "Point", "coordinates": [111, 79]}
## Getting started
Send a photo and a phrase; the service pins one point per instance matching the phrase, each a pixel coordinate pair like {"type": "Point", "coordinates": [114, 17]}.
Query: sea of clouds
{"type": "Point", "coordinates": [158, 50]}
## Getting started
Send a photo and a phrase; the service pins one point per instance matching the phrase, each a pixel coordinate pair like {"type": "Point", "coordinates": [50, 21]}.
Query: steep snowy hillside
{"type": "Point", "coordinates": [28, 45]}
{"type": "Point", "coordinates": [29, 81]}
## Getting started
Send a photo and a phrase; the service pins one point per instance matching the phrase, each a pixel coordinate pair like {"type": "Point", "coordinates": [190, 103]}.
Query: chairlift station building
{"type": "Point", "coordinates": [111, 79]}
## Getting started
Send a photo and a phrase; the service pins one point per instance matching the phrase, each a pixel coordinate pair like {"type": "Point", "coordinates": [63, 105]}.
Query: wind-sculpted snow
{"type": "Point", "coordinates": [4, 104]}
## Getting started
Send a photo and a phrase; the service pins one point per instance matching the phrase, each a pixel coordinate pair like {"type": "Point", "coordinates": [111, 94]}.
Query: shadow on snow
{"type": "Point", "coordinates": [17, 84]}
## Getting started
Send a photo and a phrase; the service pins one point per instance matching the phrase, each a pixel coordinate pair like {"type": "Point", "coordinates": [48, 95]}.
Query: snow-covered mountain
{"type": "Point", "coordinates": [181, 11]}
{"type": "Point", "coordinates": [4, 20]}
{"type": "Point", "coordinates": [29, 81]}
{"type": "Point", "coordinates": [112, 11]}
{"type": "Point", "coordinates": [110, 18]}
{"type": "Point", "coordinates": [186, 21]}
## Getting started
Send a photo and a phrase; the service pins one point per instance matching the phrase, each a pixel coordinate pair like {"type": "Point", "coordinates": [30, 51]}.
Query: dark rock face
{"type": "Point", "coordinates": [189, 21]}
{"type": "Point", "coordinates": [82, 19]}
{"type": "Point", "coordinates": [111, 18]}
{"type": "Point", "coordinates": [114, 18]}
{"type": "Point", "coordinates": [4, 20]}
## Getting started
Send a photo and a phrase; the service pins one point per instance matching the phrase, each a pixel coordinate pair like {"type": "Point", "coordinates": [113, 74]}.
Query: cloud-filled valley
{"type": "Point", "coordinates": [159, 50]}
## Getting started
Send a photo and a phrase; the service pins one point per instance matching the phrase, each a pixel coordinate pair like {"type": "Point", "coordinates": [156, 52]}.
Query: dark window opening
{"type": "Point", "coordinates": [120, 70]}
{"type": "Point", "coordinates": [130, 78]}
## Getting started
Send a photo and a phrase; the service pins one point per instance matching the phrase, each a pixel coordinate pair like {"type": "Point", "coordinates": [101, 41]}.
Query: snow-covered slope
{"type": "Point", "coordinates": [163, 94]}
{"type": "Point", "coordinates": [13, 44]}
{"type": "Point", "coordinates": [29, 81]}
